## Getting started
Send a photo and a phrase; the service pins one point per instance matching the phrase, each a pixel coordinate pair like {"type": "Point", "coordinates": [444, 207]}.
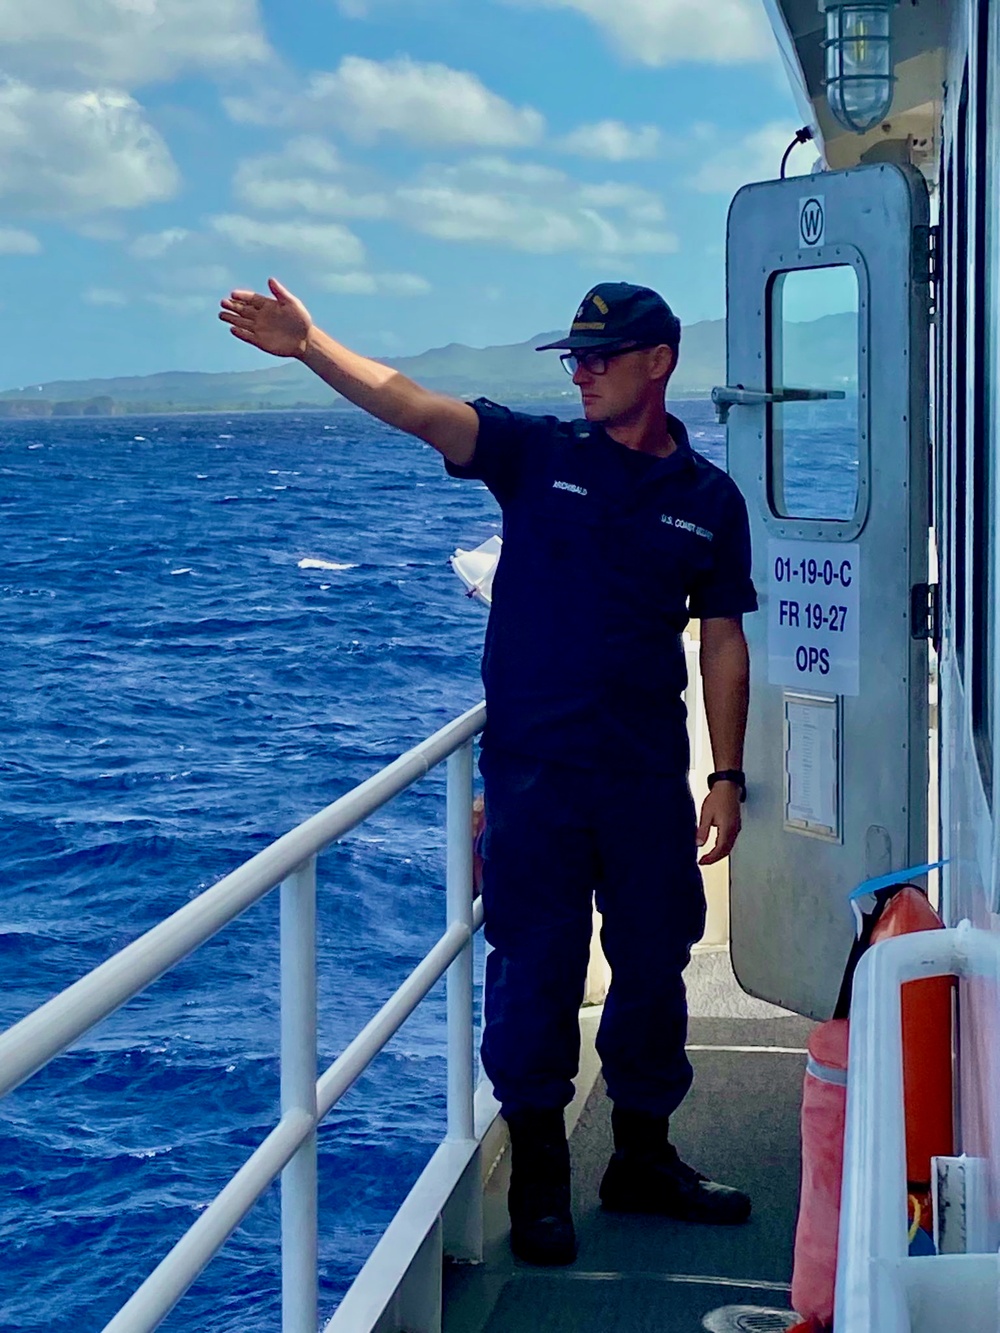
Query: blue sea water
{"type": "Point", "coordinates": [176, 691]}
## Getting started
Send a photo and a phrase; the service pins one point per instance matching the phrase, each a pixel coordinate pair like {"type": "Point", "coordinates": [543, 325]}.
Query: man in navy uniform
{"type": "Point", "coordinates": [615, 532]}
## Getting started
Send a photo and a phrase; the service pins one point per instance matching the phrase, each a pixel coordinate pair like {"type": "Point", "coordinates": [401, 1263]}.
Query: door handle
{"type": "Point", "coordinates": [735, 395]}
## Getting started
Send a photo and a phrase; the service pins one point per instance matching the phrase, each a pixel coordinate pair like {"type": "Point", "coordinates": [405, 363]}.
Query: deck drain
{"type": "Point", "coordinates": [748, 1319]}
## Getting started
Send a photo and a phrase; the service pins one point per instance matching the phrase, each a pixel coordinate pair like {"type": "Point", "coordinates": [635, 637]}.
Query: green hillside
{"type": "Point", "coordinates": [819, 353]}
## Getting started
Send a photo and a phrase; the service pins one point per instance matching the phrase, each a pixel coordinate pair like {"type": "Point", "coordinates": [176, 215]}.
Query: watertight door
{"type": "Point", "coordinates": [827, 402]}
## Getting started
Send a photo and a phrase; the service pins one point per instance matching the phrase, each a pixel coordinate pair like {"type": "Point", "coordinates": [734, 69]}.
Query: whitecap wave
{"type": "Point", "coordinates": [324, 564]}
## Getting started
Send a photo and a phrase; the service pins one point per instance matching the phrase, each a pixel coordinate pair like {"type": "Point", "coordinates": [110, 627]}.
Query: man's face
{"type": "Point", "coordinates": [626, 384]}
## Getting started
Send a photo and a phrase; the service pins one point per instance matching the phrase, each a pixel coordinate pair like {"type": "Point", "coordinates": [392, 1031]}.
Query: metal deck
{"type": "Point", "coordinates": [650, 1275]}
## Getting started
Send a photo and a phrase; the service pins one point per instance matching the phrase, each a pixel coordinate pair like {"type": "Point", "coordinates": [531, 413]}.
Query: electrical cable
{"type": "Point", "coordinates": [801, 136]}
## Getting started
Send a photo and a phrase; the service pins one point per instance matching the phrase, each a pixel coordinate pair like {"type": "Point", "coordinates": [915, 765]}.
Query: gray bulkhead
{"type": "Point", "coordinates": [968, 442]}
{"type": "Point", "coordinates": [945, 119]}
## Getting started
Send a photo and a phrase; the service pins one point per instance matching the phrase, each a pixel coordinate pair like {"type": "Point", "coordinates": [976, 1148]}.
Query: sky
{"type": "Point", "coordinates": [418, 172]}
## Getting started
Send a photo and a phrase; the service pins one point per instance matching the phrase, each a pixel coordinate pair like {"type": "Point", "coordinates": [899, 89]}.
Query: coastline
{"type": "Point", "coordinates": [28, 409]}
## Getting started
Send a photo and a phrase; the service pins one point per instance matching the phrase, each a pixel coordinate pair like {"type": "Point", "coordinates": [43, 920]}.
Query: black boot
{"type": "Point", "coordinates": [645, 1175]}
{"type": "Point", "coordinates": [541, 1225]}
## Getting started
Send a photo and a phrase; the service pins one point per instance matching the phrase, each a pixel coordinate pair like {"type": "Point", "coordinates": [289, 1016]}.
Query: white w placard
{"type": "Point", "coordinates": [812, 221]}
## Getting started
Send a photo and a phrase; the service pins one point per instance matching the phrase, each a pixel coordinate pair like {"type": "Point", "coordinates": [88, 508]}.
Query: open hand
{"type": "Point", "coordinates": [279, 325]}
{"type": "Point", "coordinates": [721, 811]}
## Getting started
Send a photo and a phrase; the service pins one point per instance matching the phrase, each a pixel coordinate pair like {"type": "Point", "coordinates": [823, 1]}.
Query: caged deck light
{"type": "Point", "coordinates": [859, 77]}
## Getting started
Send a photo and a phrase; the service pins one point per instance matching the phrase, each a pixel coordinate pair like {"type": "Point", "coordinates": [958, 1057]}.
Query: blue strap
{"type": "Point", "coordinates": [896, 877]}
{"type": "Point", "coordinates": [886, 882]}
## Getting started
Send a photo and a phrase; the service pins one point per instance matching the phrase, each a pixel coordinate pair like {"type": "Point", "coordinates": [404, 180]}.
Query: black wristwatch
{"type": "Point", "coordinates": [730, 775]}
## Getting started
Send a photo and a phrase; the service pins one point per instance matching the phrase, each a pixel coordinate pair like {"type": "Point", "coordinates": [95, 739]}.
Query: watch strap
{"type": "Point", "coordinates": [730, 775]}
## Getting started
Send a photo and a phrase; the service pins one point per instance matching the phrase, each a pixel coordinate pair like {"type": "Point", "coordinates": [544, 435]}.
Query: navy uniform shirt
{"type": "Point", "coordinates": [606, 554]}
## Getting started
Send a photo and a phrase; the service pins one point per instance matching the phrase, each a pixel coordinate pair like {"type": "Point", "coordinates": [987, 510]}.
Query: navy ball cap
{"type": "Point", "coordinates": [614, 314]}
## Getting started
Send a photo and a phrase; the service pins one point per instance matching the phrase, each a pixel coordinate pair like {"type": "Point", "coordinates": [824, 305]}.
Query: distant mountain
{"type": "Point", "coordinates": [817, 354]}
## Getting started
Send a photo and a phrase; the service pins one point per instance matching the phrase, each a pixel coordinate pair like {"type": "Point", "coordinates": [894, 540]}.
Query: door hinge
{"type": "Point", "coordinates": [926, 263]}
{"type": "Point", "coordinates": [925, 613]}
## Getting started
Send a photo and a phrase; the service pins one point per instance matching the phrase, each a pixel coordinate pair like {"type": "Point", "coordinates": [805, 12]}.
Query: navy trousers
{"type": "Point", "coordinates": [556, 836]}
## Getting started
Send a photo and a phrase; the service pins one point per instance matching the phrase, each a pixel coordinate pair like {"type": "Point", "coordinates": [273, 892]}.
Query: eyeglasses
{"type": "Point", "coordinates": [595, 363]}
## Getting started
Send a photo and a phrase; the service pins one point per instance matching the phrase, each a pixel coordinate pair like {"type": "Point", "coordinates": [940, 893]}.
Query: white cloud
{"type": "Point", "coordinates": [428, 104]}
{"type": "Point", "coordinates": [487, 199]}
{"type": "Point", "coordinates": [64, 153]}
{"type": "Point", "coordinates": [519, 223]}
{"type": "Point", "coordinates": [326, 243]}
{"type": "Point", "coordinates": [520, 173]}
{"type": "Point", "coordinates": [255, 189]}
{"type": "Point", "coordinates": [641, 205]}
{"type": "Point", "coordinates": [362, 9]}
{"type": "Point", "coordinates": [16, 242]}
{"type": "Point", "coordinates": [376, 284]}
{"type": "Point", "coordinates": [299, 180]}
{"type": "Point", "coordinates": [451, 214]}
{"type": "Point", "coordinates": [612, 141]}
{"type": "Point", "coordinates": [154, 244]}
{"type": "Point", "coordinates": [104, 296]}
{"type": "Point", "coordinates": [313, 153]}
{"type": "Point", "coordinates": [669, 32]}
{"type": "Point", "coordinates": [207, 277]}
{"type": "Point", "coordinates": [129, 42]}
{"type": "Point", "coordinates": [754, 157]}
{"type": "Point", "coordinates": [97, 228]}
{"type": "Point", "coordinates": [490, 201]}
{"type": "Point", "coordinates": [326, 246]}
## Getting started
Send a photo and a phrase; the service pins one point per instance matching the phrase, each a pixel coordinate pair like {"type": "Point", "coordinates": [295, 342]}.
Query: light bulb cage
{"type": "Point", "coordinates": [859, 79]}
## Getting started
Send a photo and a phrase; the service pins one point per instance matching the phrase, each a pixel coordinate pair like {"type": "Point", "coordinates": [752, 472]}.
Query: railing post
{"type": "Point", "coordinates": [299, 1243]}
{"type": "Point", "coordinates": [462, 1220]}
{"type": "Point", "coordinates": [461, 1124]}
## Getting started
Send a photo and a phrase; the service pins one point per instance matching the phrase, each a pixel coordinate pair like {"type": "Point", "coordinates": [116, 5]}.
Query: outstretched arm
{"type": "Point", "coordinates": [281, 325]}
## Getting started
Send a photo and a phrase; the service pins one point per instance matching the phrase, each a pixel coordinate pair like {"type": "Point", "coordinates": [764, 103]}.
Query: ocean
{"type": "Point", "coordinates": [213, 626]}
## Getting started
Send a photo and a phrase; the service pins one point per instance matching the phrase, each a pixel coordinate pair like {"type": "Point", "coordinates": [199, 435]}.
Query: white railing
{"type": "Point", "coordinates": [290, 1148]}
{"type": "Point", "coordinates": [880, 1287]}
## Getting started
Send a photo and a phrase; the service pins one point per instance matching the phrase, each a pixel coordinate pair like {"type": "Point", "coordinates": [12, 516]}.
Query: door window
{"type": "Point", "coordinates": [815, 446]}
